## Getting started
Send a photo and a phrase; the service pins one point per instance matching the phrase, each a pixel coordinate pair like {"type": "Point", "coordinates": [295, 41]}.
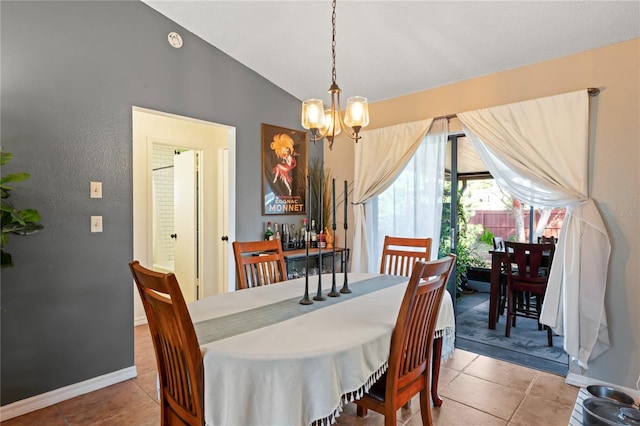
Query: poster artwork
{"type": "Point", "coordinates": [284, 170]}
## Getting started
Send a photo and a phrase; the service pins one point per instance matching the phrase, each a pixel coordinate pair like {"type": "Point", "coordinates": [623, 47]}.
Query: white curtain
{"type": "Point", "coordinates": [538, 151]}
{"type": "Point", "coordinates": [379, 157]}
{"type": "Point", "coordinates": [412, 205]}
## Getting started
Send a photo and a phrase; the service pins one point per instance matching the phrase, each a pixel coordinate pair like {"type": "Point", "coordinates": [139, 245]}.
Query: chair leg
{"type": "Point", "coordinates": [510, 300]}
{"type": "Point", "coordinates": [361, 411]}
{"type": "Point", "coordinates": [425, 408]}
{"type": "Point", "coordinates": [549, 335]}
{"type": "Point", "coordinates": [390, 418]}
{"type": "Point", "coordinates": [435, 371]}
{"type": "Point", "coordinates": [539, 309]}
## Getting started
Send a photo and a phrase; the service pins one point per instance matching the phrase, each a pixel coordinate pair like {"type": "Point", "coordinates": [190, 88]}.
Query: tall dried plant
{"type": "Point", "coordinates": [318, 173]}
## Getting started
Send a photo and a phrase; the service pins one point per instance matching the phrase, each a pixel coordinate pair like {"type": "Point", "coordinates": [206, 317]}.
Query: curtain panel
{"type": "Point", "coordinates": [412, 205]}
{"type": "Point", "coordinates": [380, 156]}
{"type": "Point", "coordinates": [538, 151]}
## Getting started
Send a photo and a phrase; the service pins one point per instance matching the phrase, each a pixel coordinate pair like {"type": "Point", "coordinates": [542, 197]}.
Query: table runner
{"type": "Point", "coordinates": [219, 328]}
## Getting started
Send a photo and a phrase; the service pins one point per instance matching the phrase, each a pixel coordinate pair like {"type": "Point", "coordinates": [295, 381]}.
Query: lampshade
{"type": "Point", "coordinates": [331, 127]}
{"type": "Point", "coordinates": [357, 113]}
{"type": "Point", "coordinates": [312, 114]}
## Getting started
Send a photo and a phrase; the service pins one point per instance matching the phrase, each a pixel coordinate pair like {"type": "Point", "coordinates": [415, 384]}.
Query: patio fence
{"type": "Point", "coordinates": [502, 224]}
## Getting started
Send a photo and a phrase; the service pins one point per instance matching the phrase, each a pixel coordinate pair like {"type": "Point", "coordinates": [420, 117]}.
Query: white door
{"type": "Point", "coordinates": [185, 221]}
{"type": "Point", "coordinates": [223, 259]}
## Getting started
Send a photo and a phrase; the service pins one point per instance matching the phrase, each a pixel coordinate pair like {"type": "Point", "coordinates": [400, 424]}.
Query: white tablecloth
{"type": "Point", "coordinates": [304, 368]}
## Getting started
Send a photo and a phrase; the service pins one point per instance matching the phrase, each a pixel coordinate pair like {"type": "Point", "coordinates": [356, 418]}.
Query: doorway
{"type": "Point", "coordinates": [214, 145]}
{"type": "Point", "coordinates": [466, 187]}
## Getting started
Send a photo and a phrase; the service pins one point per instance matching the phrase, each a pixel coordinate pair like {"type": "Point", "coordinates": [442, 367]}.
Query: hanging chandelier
{"type": "Point", "coordinates": [325, 122]}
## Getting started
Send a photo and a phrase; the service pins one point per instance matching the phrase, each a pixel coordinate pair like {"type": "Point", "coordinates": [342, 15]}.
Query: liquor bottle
{"type": "Point", "coordinates": [321, 241]}
{"type": "Point", "coordinates": [268, 235]}
{"type": "Point", "coordinates": [277, 233]}
{"type": "Point", "coordinates": [304, 232]}
{"type": "Point", "coordinates": [314, 234]}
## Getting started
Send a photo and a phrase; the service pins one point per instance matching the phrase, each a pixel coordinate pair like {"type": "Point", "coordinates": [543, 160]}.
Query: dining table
{"type": "Point", "coordinates": [270, 360]}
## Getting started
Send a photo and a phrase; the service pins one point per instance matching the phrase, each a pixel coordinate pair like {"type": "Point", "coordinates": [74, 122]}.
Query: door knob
{"type": "Point", "coordinates": [174, 236]}
{"type": "Point", "coordinates": [225, 238]}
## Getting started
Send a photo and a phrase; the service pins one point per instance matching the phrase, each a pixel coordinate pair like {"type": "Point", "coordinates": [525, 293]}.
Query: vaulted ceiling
{"type": "Point", "coordinates": [387, 49]}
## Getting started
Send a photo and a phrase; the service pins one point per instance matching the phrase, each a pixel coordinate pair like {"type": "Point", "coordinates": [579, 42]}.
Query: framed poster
{"type": "Point", "coordinates": [284, 170]}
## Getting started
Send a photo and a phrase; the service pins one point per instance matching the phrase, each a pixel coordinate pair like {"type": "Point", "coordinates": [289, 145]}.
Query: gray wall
{"type": "Point", "coordinates": [71, 71]}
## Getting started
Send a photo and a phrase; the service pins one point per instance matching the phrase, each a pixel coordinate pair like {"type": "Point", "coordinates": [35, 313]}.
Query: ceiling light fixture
{"type": "Point", "coordinates": [321, 121]}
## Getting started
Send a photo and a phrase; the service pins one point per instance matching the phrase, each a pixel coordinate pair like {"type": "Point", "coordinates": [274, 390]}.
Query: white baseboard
{"type": "Point", "coordinates": [47, 399]}
{"type": "Point", "coordinates": [139, 321]}
{"type": "Point", "coordinates": [582, 382]}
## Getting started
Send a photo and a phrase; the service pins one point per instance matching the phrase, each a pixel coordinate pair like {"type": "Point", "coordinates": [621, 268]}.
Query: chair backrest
{"type": "Point", "coordinates": [178, 354]}
{"type": "Point", "coordinates": [498, 243]}
{"type": "Point", "coordinates": [399, 255]}
{"type": "Point", "coordinates": [259, 263]}
{"type": "Point", "coordinates": [530, 263]}
{"type": "Point", "coordinates": [544, 239]}
{"type": "Point", "coordinates": [412, 338]}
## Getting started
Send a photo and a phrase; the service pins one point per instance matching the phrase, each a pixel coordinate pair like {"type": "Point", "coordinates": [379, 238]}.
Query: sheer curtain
{"type": "Point", "coordinates": [412, 205]}
{"type": "Point", "coordinates": [538, 151]}
{"type": "Point", "coordinates": [379, 157]}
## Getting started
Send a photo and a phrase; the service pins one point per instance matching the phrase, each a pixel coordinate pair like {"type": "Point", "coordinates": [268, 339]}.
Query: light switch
{"type": "Point", "coordinates": [96, 189]}
{"type": "Point", "coordinates": [96, 223]}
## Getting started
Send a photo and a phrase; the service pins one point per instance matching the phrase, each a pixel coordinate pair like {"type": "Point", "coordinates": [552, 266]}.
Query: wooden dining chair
{"type": "Point", "coordinates": [178, 354]}
{"type": "Point", "coordinates": [259, 263]}
{"type": "Point", "coordinates": [411, 352]}
{"type": "Point", "coordinates": [544, 239]}
{"type": "Point", "coordinates": [498, 244]}
{"type": "Point", "coordinates": [399, 254]}
{"type": "Point", "coordinates": [528, 268]}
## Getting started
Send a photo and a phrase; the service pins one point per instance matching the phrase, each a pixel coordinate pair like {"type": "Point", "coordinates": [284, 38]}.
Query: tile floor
{"type": "Point", "coordinates": [476, 390]}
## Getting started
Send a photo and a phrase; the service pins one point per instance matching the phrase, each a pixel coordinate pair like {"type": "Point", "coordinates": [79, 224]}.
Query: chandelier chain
{"type": "Point", "coordinates": [333, 43]}
{"type": "Point", "coordinates": [327, 122]}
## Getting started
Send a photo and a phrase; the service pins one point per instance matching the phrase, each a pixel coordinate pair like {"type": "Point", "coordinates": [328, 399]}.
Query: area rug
{"type": "Point", "coordinates": [525, 338]}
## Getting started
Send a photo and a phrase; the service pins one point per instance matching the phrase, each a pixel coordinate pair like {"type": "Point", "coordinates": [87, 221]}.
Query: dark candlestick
{"type": "Point", "coordinates": [345, 287]}
{"type": "Point", "coordinates": [319, 295]}
{"type": "Point", "coordinates": [334, 292]}
{"type": "Point", "coordinates": [345, 205]}
{"type": "Point", "coordinates": [305, 299]}
{"type": "Point", "coordinates": [333, 196]}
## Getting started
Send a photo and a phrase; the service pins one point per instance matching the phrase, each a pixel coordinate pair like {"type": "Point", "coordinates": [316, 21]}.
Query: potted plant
{"type": "Point", "coordinates": [14, 221]}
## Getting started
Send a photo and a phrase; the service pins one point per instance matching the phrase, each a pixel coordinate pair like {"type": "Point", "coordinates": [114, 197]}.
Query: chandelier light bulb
{"type": "Point", "coordinates": [357, 113]}
{"type": "Point", "coordinates": [330, 126]}
{"type": "Point", "coordinates": [312, 114]}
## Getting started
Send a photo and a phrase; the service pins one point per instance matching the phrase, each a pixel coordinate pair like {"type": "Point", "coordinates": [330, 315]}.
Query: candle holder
{"type": "Point", "coordinates": [305, 299]}
{"type": "Point", "coordinates": [319, 295]}
{"type": "Point", "coordinates": [334, 291]}
{"type": "Point", "coordinates": [345, 286]}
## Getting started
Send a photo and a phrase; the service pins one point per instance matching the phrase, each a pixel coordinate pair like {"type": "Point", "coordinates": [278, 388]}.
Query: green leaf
{"type": "Point", "coordinates": [30, 215]}
{"type": "Point", "coordinates": [7, 206]}
{"type": "Point", "coordinates": [5, 157]}
{"type": "Point", "coordinates": [16, 218]}
{"type": "Point", "coordinates": [28, 229]}
{"type": "Point", "coordinates": [11, 227]}
{"type": "Point", "coordinates": [14, 177]}
{"type": "Point", "coordinates": [6, 259]}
